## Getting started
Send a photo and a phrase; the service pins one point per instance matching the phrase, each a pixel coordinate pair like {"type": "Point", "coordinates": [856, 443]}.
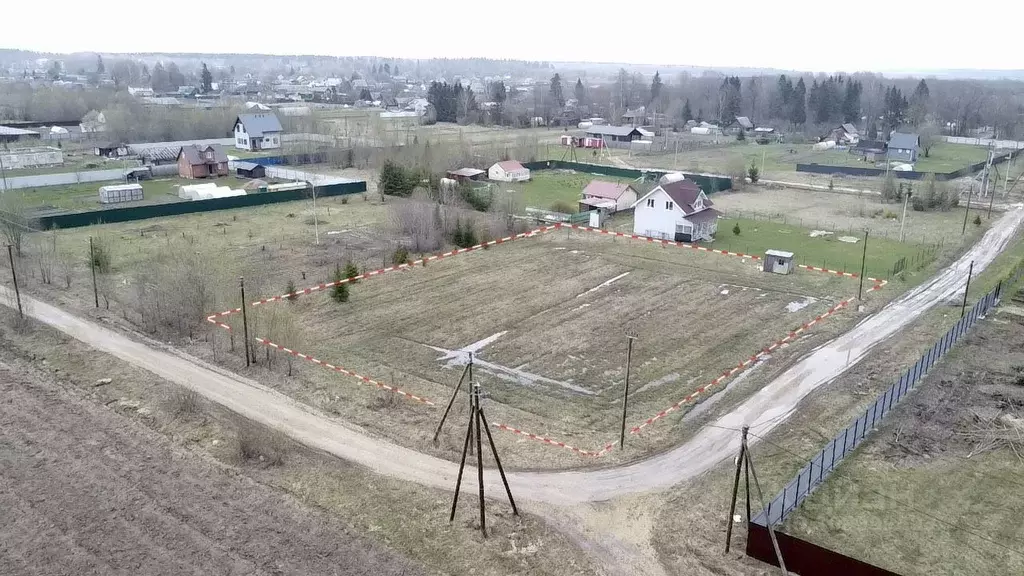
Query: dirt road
{"type": "Point", "coordinates": [84, 490]}
{"type": "Point", "coordinates": [764, 410]}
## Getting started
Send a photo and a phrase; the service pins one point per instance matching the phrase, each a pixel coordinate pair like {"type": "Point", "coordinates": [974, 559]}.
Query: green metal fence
{"type": "Point", "coordinates": [130, 213]}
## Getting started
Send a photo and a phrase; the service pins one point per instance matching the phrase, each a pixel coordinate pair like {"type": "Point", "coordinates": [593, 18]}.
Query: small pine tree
{"type": "Point", "coordinates": [340, 291]}
{"type": "Point", "coordinates": [401, 256]}
{"type": "Point", "coordinates": [741, 136]}
{"type": "Point", "coordinates": [753, 173]}
{"type": "Point", "coordinates": [351, 270]}
{"type": "Point", "coordinates": [736, 229]}
{"type": "Point", "coordinates": [977, 220]}
{"type": "Point", "coordinates": [290, 291]}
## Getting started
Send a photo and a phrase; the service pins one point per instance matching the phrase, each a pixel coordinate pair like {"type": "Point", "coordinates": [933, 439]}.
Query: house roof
{"type": "Point", "coordinates": [243, 165]}
{"type": "Point", "coordinates": [602, 189]}
{"type": "Point", "coordinates": [850, 128]}
{"type": "Point", "coordinates": [745, 122]}
{"type": "Point", "coordinates": [683, 192]}
{"type": "Point", "coordinates": [904, 140]}
{"type": "Point", "coordinates": [467, 172]}
{"type": "Point", "coordinates": [510, 166]}
{"type": "Point", "coordinates": [11, 131]}
{"type": "Point", "coordinates": [778, 253]}
{"type": "Point", "coordinates": [870, 145]}
{"type": "Point", "coordinates": [634, 113]}
{"type": "Point", "coordinates": [194, 154]}
{"type": "Point", "coordinates": [605, 130]}
{"type": "Point", "coordinates": [257, 124]}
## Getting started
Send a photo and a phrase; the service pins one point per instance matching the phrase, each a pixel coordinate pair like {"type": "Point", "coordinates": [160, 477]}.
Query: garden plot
{"type": "Point", "coordinates": [545, 320]}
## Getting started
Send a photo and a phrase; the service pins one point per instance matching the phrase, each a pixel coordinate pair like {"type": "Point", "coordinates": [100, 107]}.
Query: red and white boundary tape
{"type": "Point", "coordinates": [878, 284]}
{"type": "Point", "coordinates": [344, 371]}
{"type": "Point", "coordinates": [607, 447]}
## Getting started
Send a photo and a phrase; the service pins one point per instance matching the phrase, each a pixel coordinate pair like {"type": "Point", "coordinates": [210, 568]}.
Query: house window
{"type": "Point", "coordinates": [668, 205]}
{"type": "Point", "coordinates": [650, 202]}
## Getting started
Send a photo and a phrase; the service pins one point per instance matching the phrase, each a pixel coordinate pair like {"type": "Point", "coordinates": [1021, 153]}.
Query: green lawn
{"type": "Point", "coordinates": [547, 187]}
{"type": "Point", "coordinates": [86, 196]}
{"type": "Point", "coordinates": [826, 251]}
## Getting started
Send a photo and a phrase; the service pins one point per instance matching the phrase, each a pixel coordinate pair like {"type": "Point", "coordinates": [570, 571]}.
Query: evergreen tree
{"type": "Point", "coordinates": [174, 77]}
{"type": "Point", "coordinates": [160, 81]}
{"type": "Point", "coordinates": [851, 101]}
{"type": "Point", "coordinates": [730, 100]}
{"type": "Point", "coordinates": [782, 105]}
{"type": "Point", "coordinates": [207, 80]}
{"type": "Point", "coordinates": [579, 92]}
{"type": "Point", "coordinates": [99, 64]}
{"type": "Point", "coordinates": [556, 90]}
{"type": "Point", "coordinates": [919, 103]}
{"type": "Point", "coordinates": [798, 114]}
{"type": "Point", "coordinates": [339, 293]}
{"type": "Point", "coordinates": [387, 69]}
{"type": "Point", "coordinates": [396, 70]}
{"type": "Point", "coordinates": [895, 108]}
{"type": "Point", "coordinates": [814, 100]}
{"type": "Point", "coordinates": [687, 114]}
{"type": "Point", "coordinates": [656, 86]}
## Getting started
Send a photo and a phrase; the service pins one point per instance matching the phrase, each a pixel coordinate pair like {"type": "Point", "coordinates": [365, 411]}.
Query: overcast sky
{"type": "Point", "coordinates": [795, 34]}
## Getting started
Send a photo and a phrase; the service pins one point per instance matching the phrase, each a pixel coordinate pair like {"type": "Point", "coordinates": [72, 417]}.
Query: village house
{"type": "Point", "coordinates": [904, 147]}
{"type": "Point", "coordinates": [195, 161]}
{"type": "Point", "coordinates": [614, 136]}
{"type": "Point", "coordinates": [740, 124]}
{"type": "Point", "coordinates": [677, 209]}
{"type": "Point", "coordinates": [608, 196]}
{"type": "Point", "coordinates": [508, 171]}
{"type": "Point", "coordinates": [467, 174]}
{"type": "Point", "coordinates": [260, 131]}
{"type": "Point", "coordinates": [845, 135]}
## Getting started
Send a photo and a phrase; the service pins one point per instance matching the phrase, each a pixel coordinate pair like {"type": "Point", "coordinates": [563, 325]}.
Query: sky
{"type": "Point", "coordinates": [815, 36]}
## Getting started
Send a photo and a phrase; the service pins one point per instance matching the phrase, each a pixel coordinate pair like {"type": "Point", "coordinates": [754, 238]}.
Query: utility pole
{"type": "Point", "coordinates": [3, 172]}
{"type": "Point", "coordinates": [245, 321]}
{"type": "Point", "coordinates": [735, 489]}
{"type": "Point", "coordinates": [14, 276]}
{"type": "Point", "coordinates": [968, 211]}
{"type": "Point", "coordinates": [1006, 182]}
{"type": "Point", "coordinates": [903, 222]}
{"type": "Point", "coordinates": [92, 265]}
{"type": "Point", "coordinates": [625, 392]}
{"type": "Point", "coordinates": [863, 266]}
{"type": "Point", "coordinates": [963, 307]}
{"type": "Point", "coordinates": [316, 217]}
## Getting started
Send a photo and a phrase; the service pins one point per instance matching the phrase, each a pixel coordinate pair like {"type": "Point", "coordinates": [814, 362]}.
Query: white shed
{"type": "Point", "coordinates": [778, 262]}
{"type": "Point", "coordinates": [508, 171]}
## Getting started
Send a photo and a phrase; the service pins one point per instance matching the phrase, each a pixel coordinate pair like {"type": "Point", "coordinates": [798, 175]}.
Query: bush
{"type": "Point", "coordinates": [741, 136]}
{"type": "Point", "coordinates": [753, 173]}
{"type": "Point", "coordinates": [463, 235]}
{"type": "Point", "coordinates": [563, 206]}
{"type": "Point", "coordinates": [344, 199]}
{"type": "Point", "coordinates": [340, 291]}
{"type": "Point", "coordinates": [100, 256]}
{"type": "Point", "coordinates": [890, 215]}
{"type": "Point", "coordinates": [184, 403]}
{"type": "Point", "coordinates": [736, 229]}
{"type": "Point", "coordinates": [478, 199]}
{"type": "Point", "coordinates": [256, 443]}
{"type": "Point", "coordinates": [977, 220]}
{"type": "Point", "coordinates": [831, 184]}
{"type": "Point", "coordinates": [919, 204]}
{"type": "Point", "coordinates": [401, 256]}
{"type": "Point", "coordinates": [290, 291]}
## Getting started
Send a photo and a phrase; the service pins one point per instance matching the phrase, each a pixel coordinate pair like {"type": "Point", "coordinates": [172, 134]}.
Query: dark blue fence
{"type": "Point", "coordinates": [825, 461]}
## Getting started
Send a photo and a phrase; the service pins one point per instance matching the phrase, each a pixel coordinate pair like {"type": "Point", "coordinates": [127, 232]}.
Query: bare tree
{"type": "Point", "coordinates": [929, 134]}
{"type": "Point", "coordinates": [14, 222]}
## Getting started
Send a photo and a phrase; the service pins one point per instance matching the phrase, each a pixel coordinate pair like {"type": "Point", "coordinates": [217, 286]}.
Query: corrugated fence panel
{"type": "Point", "coordinates": [825, 461]}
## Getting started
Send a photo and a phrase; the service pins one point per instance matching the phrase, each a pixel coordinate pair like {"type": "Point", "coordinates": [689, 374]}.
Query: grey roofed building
{"type": "Point", "coordinates": [850, 128]}
{"type": "Point", "coordinates": [194, 153]}
{"type": "Point", "coordinates": [615, 133]}
{"type": "Point", "coordinates": [744, 122]}
{"type": "Point", "coordinates": [904, 147]}
{"type": "Point", "coordinates": [258, 124]}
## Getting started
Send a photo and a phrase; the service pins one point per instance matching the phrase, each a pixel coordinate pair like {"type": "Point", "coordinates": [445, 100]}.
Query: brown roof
{"type": "Point", "coordinates": [510, 166]}
{"type": "Point", "coordinates": [684, 193]}
{"type": "Point", "coordinates": [704, 216]}
{"type": "Point", "coordinates": [195, 154]}
{"type": "Point", "coordinates": [602, 189]}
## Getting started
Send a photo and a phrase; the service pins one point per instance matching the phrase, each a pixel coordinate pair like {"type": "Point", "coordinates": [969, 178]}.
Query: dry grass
{"type": "Point", "coordinates": [258, 443]}
{"type": "Point", "coordinates": [184, 404]}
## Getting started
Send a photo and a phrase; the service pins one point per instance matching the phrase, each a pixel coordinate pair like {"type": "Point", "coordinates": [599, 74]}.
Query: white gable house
{"type": "Point", "coordinates": [260, 131]}
{"type": "Point", "coordinates": [508, 171]}
{"type": "Point", "coordinates": [678, 211]}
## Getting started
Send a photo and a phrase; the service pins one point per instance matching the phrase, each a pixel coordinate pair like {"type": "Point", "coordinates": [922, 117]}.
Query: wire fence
{"type": "Point", "coordinates": [824, 462]}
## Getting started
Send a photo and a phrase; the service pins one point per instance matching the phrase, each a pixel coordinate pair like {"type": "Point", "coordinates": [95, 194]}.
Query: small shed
{"type": "Point", "coordinates": [778, 262]}
{"type": "Point", "coordinates": [250, 170]}
{"type": "Point", "coordinates": [118, 193]}
{"type": "Point", "coordinates": [467, 174]}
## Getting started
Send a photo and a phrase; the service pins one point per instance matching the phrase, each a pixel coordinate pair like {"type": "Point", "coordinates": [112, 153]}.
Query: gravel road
{"type": "Point", "coordinates": [766, 409]}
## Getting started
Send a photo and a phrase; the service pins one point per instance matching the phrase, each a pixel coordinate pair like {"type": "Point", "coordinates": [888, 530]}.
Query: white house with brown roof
{"type": "Point", "coordinates": [508, 171]}
{"type": "Point", "coordinates": [678, 211]}
{"type": "Point", "coordinates": [609, 196]}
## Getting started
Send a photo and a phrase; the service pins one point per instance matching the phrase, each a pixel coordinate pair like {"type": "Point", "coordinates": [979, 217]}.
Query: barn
{"type": "Point", "coordinates": [250, 170]}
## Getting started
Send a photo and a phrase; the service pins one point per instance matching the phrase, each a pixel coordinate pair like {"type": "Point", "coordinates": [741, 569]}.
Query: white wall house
{"type": "Point", "coordinates": [508, 171]}
{"type": "Point", "coordinates": [678, 211]}
{"type": "Point", "coordinates": [260, 131]}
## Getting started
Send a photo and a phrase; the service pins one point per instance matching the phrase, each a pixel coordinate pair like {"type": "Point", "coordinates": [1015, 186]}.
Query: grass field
{"type": "Point", "coordinates": [548, 187]}
{"type": "Point", "coordinates": [934, 491]}
{"type": "Point", "coordinates": [86, 196]}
